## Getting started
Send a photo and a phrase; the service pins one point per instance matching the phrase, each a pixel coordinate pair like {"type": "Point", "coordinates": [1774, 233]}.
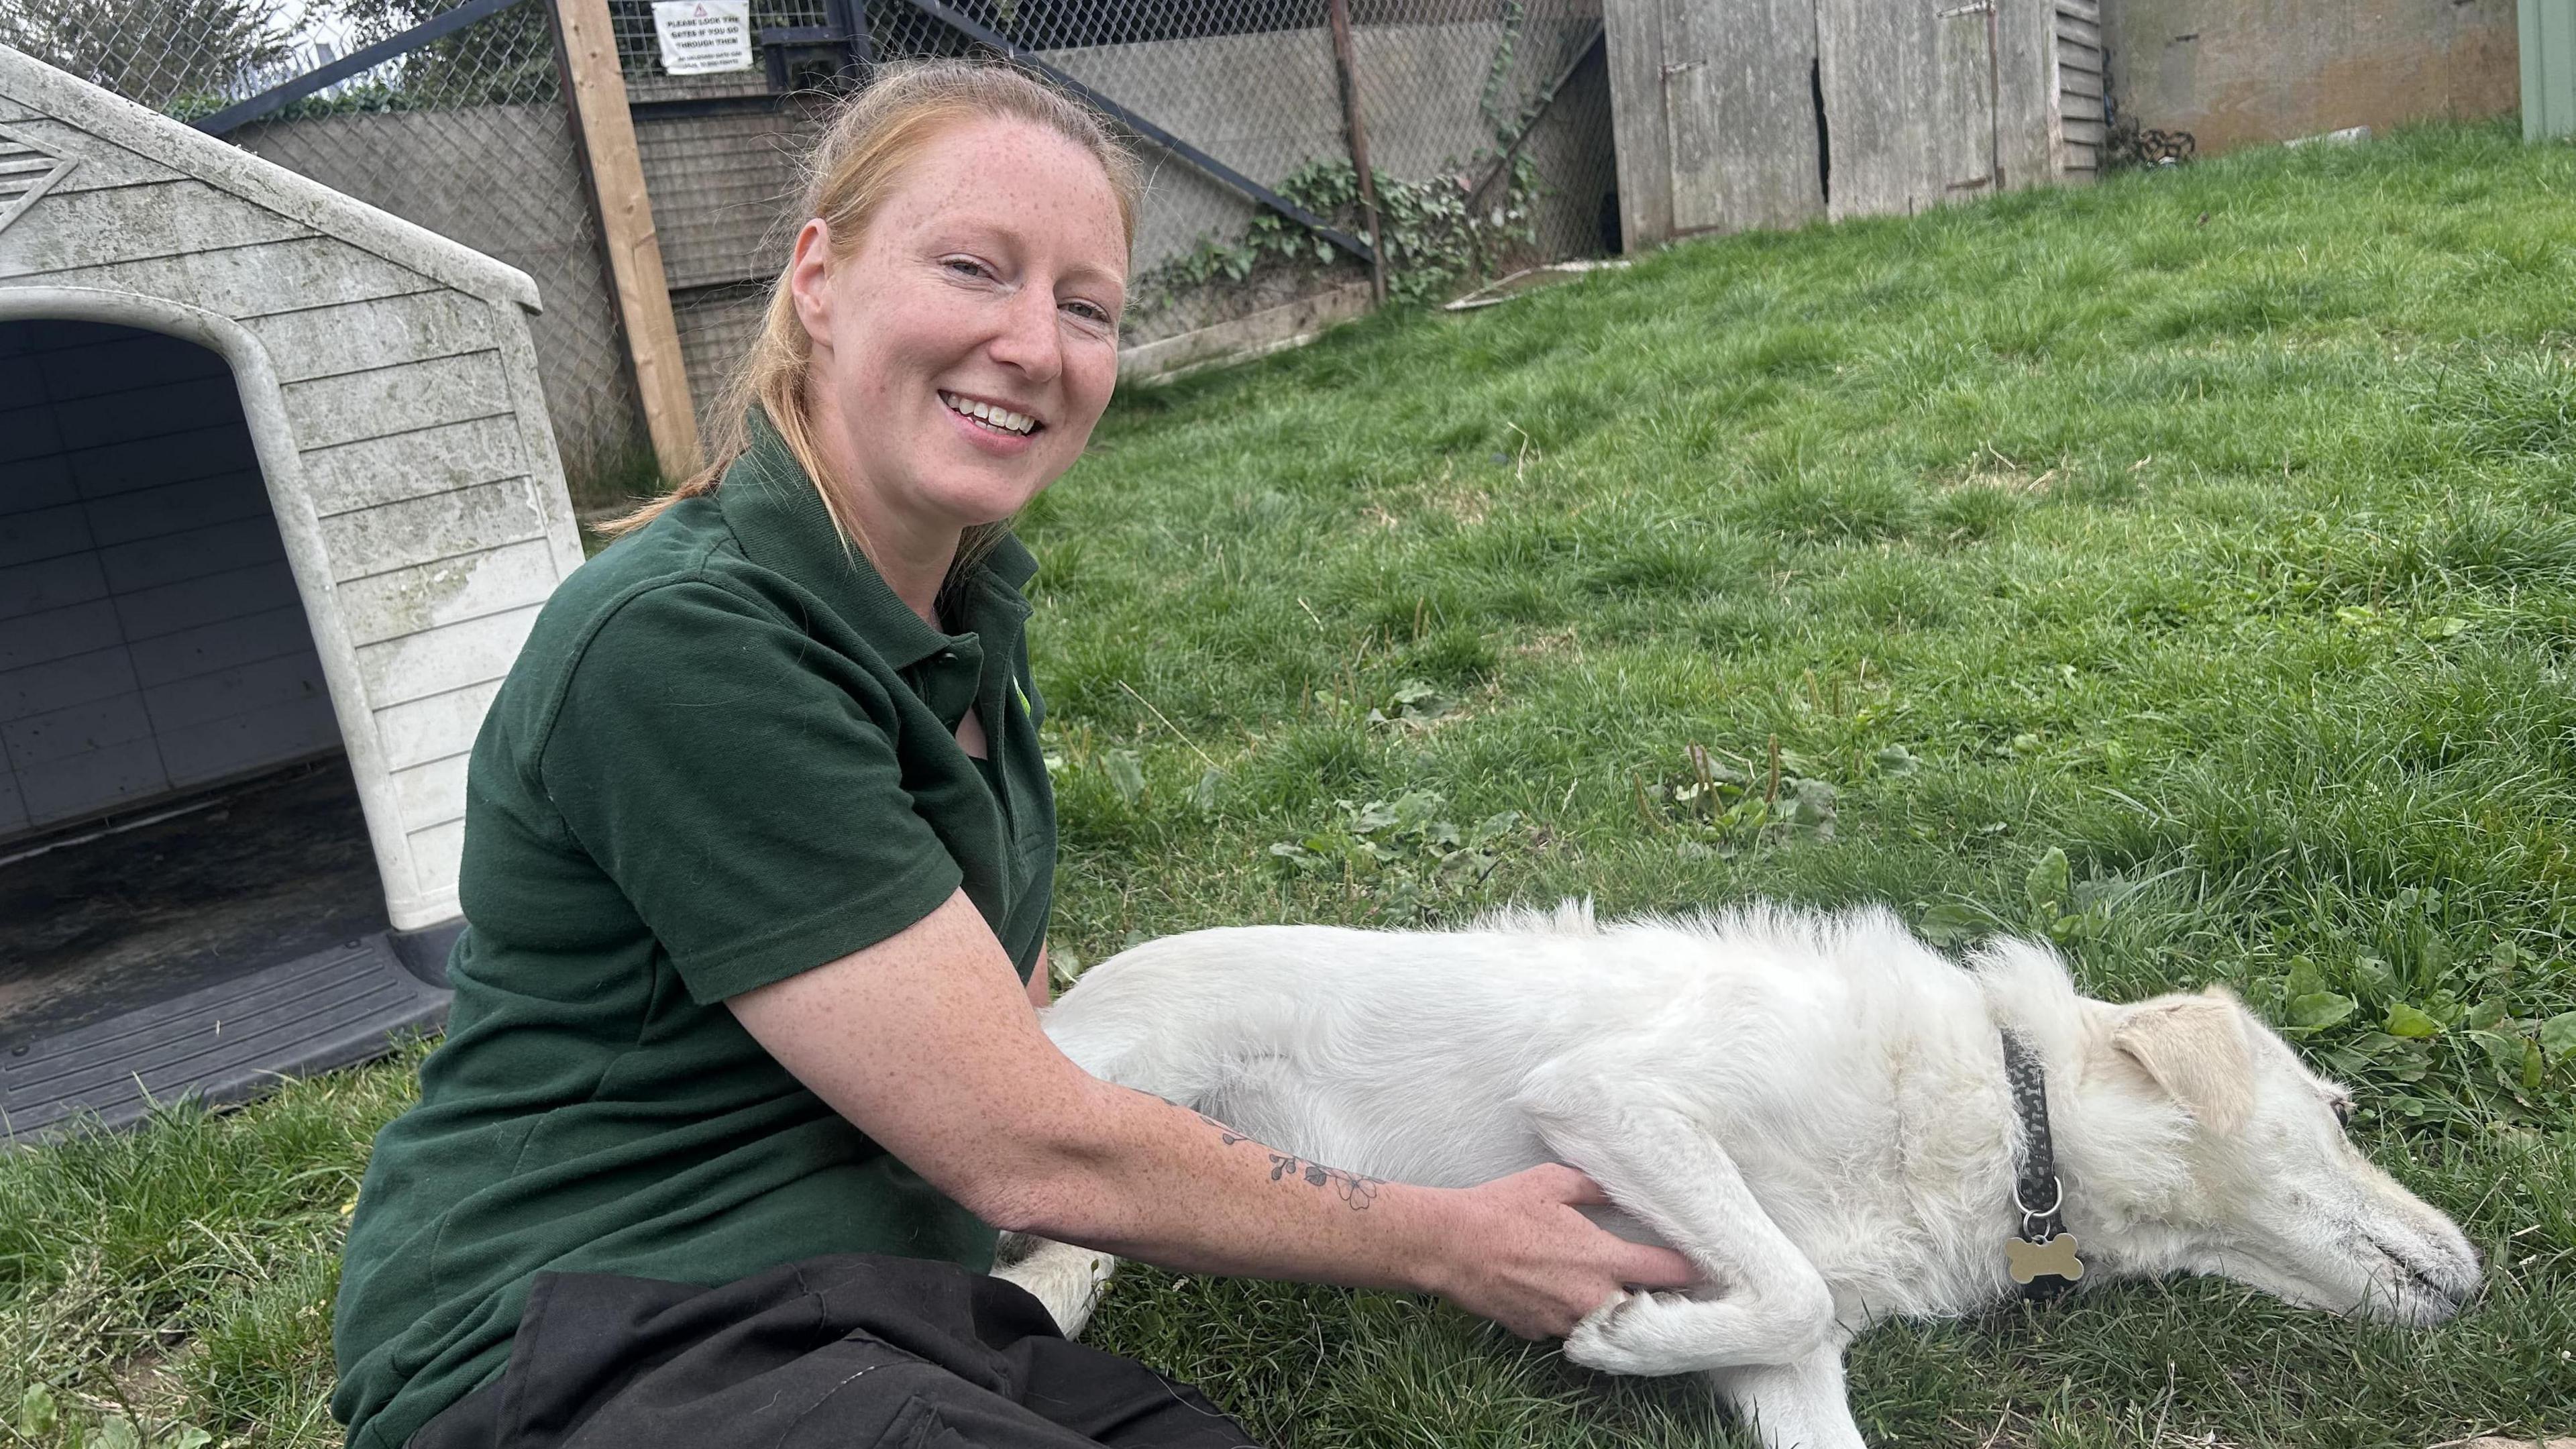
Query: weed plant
{"type": "Point", "coordinates": [2181, 568]}
{"type": "Point", "coordinates": [1438, 238]}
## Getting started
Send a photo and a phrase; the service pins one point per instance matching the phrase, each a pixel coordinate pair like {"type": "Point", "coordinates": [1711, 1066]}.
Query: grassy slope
{"type": "Point", "coordinates": [2211, 527]}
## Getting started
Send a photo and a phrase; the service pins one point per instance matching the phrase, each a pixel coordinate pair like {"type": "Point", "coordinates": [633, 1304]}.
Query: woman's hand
{"type": "Point", "coordinates": [1522, 1255]}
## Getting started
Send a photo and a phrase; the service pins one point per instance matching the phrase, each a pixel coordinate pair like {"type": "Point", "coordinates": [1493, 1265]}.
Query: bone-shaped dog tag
{"type": "Point", "coordinates": [2031, 1260]}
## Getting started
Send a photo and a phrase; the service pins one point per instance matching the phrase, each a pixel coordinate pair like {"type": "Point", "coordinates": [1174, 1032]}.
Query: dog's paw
{"type": "Point", "coordinates": [1067, 1281]}
{"type": "Point", "coordinates": [1634, 1333]}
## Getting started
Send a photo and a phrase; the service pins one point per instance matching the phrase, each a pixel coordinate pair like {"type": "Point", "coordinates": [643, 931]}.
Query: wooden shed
{"type": "Point", "coordinates": [278, 505]}
{"type": "Point", "coordinates": [1734, 114]}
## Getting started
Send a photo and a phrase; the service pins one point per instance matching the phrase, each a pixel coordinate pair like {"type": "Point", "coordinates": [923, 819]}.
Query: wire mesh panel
{"type": "Point", "coordinates": [466, 135]}
{"type": "Point", "coordinates": [1507, 102]}
{"type": "Point", "coordinates": [721, 154]}
{"type": "Point", "coordinates": [724, 186]}
{"type": "Point", "coordinates": [1249, 82]}
{"type": "Point", "coordinates": [186, 58]}
{"type": "Point", "coordinates": [1487, 123]}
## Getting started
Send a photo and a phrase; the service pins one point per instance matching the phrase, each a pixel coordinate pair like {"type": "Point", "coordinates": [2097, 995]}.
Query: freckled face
{"type": "Point", "coordinates": [964, 351]}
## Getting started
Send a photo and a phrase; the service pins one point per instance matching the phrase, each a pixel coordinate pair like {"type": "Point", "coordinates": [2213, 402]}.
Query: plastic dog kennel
{"type": "Point", "coordinates": [278, 504]}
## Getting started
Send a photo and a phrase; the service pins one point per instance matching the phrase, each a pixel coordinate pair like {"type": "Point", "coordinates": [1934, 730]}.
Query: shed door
{"type": "Point", "coordinates": [1964, 129]}
{"type": "Point", "coordinates": [1740, 107]}
{"type": "Point", "coordinates": [1909, 86]}
{"type": "Point", "coordinates": [151, 637]}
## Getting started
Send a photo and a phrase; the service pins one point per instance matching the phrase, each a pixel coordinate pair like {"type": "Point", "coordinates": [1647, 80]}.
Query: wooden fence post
{"type": "Point", "coordinates": [1339, 12]}
{"type": "Point", "coordinates": [588, 51]}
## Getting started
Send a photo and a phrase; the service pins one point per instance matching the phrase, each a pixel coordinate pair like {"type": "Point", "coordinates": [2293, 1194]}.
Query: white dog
{"type": "Point", "coordinates": [1815, 1109]}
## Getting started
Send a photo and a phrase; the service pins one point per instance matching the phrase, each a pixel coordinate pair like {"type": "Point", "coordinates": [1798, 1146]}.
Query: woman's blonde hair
{"type": "Point", "coordinates": [852, 167]}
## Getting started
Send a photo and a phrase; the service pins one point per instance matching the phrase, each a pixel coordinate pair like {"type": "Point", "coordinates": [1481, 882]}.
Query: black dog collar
{"type": "Point", "coordinates": [2042, 1255]}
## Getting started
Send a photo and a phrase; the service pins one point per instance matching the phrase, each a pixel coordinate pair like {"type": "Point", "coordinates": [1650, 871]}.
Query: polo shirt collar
{"type": "Point", "coordinates": [777, 515]}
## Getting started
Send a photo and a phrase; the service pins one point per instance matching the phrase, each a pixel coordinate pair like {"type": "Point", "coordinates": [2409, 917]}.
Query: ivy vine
{"type": "Point", "coordinates": [1435, 237]}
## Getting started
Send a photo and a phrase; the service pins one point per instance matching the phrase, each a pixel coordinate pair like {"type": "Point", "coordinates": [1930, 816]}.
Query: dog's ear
{"type": "Point", "coordinates": [2194, 1047]}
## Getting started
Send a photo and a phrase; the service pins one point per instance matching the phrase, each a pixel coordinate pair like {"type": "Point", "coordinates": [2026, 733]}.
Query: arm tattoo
{"type": "Point", "coordinates": [1350, 1187]}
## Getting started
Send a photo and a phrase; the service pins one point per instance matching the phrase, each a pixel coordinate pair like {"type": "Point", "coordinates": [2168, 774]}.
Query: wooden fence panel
{"type": "Point", "coordinates": [1633, 40]}
{"type": "Point", "coordinates": [1874, 65]}
{"type": "Point", "coordinates": [1909, 91]}
{"type": "Point", "coordinates": [2026, 84]}
{"type": "Point", "coordinates": [1963, 128]}
{"type": "Point", "coordinates": [1738, 83]}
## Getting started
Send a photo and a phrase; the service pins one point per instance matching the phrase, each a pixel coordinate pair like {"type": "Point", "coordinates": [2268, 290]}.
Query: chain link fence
{"type": "Point", "coordinates": [1507, 99]}
{"type": "Point", "coordinates": [1487, 125]}
{"type": "Point", "coordinates": [187, 58]}
{"type": "Point", "coordinates": [1251, 83]}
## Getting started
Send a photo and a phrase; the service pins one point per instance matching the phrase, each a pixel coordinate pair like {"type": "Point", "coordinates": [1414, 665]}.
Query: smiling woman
{"type": "Point", "coordinates": [963, 349]}
{"type": "Point", "coordinates": [1016, 235]}
{"type": "Point", "coordinates": [744, 1067]}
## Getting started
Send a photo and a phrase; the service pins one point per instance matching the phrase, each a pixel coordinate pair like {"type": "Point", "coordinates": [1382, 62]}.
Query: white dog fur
{"type": "Point", "coordinates": [1811, 1107]}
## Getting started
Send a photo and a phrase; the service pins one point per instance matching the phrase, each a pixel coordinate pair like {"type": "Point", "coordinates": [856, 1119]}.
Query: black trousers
{"type": "Point", "coordinates": [851, 1351]}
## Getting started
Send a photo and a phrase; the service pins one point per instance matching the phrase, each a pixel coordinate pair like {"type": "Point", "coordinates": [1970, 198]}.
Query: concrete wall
{"type": "Point", "coordinates": [1263, 104]}
{"type": "Point", "coordinates": [2241, 72]}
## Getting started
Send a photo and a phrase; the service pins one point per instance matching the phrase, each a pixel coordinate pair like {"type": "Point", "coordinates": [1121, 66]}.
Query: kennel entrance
{"type": "Point", "coordinates": [189, 898]}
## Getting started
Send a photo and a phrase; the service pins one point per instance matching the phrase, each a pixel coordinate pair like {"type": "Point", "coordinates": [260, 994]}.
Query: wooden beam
{"type": "Point", "coordinates": [1339, 12]}
{"type": "Point", "coordinates": [587, 50]}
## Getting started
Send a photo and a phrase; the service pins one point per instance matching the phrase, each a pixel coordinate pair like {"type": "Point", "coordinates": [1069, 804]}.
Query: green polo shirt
{"type": "Point", "coordinates": [727, 754]}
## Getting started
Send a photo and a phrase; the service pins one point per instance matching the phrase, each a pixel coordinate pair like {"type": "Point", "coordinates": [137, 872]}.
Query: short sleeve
{"type": "Point", "coordinates": [735, 778]}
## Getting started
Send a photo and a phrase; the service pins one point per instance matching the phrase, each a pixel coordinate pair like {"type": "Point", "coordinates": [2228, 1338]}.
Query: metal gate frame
{"type": "Point", "coordinates": [845, 38]}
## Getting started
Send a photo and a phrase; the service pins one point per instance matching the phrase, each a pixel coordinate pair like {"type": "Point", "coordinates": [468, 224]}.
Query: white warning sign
{"type": "Point", "coordinates": [699, 36]}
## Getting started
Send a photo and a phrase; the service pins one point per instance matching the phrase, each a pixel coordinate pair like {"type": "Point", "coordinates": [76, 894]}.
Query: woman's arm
{"type": "Point", "coordinates": [928, 1043]}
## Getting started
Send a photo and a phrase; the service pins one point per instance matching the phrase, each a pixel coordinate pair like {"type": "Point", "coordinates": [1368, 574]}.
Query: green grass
{"type": "Point", "coordinates": [2184, 567]}
{"type": "Point", "coordinates": [612, 479]}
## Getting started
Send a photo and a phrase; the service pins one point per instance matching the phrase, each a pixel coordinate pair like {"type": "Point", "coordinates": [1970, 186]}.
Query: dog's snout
{"type": "Point", "coordinates": [2461, 1273]}
{"type": "Point", "coordinates": [2433, 1277]}
{"type": "Point", "coordinates": [2457, 1265]}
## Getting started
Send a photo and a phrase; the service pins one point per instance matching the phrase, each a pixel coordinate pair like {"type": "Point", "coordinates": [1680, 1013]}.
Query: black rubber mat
{"type": "Point", "coordinates": [102, 920]}
{"type": "Point", "coordinates": [222, 1043]}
